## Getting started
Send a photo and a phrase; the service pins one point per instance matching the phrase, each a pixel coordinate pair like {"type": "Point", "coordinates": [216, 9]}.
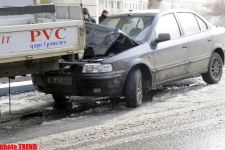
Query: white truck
{"type": "Point", "coordinates": [33, 38]}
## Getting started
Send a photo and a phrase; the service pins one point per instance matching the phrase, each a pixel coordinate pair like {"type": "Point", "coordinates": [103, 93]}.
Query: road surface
{"type": "Point", "coordinates": [183, 115]}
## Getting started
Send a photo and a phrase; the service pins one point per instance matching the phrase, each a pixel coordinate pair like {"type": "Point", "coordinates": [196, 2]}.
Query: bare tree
{"type": "Point", "coordinates": [215, 11]}
{"type": "Point", "coordinates": [217, 8]}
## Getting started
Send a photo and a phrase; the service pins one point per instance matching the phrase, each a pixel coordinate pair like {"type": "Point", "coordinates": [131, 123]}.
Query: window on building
{"type": "Point", "coordinates": [119, 5]}
{"type": "Point", "coordinates": [111, 5]}
{"type": "Point", "coordinates": [145, 5]}
{"type": "Point", "coordinates": [140, 6]}
{"type": "Point", "coordinates": [168, 24]}
{"type": "Point", "coordinates": [188, 23]}
{"type": "Point", "coordinates": [106, 4]}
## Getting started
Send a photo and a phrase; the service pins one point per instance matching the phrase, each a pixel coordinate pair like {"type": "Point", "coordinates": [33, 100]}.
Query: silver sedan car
{"type": "Point", "coordinates": [131, 53]}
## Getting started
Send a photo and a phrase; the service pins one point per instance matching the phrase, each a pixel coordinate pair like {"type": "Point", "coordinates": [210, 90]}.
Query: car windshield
{"type": "Point", "coordinates": [135, 27]}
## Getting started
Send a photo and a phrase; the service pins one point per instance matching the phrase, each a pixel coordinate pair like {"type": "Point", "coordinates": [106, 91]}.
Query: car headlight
{"type": "Point", "coordinates": [96, 68]}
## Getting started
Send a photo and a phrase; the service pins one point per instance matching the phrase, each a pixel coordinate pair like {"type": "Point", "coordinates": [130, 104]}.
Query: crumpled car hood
{"type": "Point", "coordinates": [104, 41]}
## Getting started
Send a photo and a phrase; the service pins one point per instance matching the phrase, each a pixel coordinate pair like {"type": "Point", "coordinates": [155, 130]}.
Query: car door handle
{"type": "Point", "coordinates": [184, 47]}
{"type": "Point", "coordinates": [209, 40]}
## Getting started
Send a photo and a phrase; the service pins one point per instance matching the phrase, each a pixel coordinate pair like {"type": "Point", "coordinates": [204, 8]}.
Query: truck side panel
{"type": "Point", "coordinates": [18, 43]}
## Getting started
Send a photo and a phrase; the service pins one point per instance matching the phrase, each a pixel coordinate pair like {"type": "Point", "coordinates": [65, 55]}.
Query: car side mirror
{"type": "Point", "coordinates": [161, 38]}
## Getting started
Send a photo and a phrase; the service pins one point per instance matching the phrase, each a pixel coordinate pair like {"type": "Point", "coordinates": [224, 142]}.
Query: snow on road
{"type": "Point", "coordinates": [24, 103]}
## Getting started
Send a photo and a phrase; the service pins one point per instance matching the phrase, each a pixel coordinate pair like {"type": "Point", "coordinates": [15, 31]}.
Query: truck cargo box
{"type": "Point", "coordinates": [35, 42]}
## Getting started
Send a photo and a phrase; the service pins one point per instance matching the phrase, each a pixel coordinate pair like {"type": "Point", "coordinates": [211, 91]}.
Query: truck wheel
{"type": "Point", "coordinates": [215, 70]}
{"type": "Point", "coordinates": [60, 99]}
{"type": "Point", "coordinates": [134, 89]}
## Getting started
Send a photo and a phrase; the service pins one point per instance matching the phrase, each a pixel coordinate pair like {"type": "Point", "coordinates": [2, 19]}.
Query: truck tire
{"type": "Point", "coordinates": [134, 89]}
{"type": "Point", "coordinates": [215, 70]}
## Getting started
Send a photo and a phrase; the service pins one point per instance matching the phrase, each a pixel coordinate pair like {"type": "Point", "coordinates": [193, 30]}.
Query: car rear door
{"type": "Point", "coordinates": [199, 41]}
{"type": "Point", "coordinates": [170, 56]}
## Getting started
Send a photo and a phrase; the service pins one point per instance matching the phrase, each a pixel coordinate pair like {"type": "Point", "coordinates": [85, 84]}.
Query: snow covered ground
{"type": "Point", "coordinates": [24, 103]}
{"type": "Point", "coordinates": [182, 108]}
{"type": "Point", "coordinates": [167, 113]}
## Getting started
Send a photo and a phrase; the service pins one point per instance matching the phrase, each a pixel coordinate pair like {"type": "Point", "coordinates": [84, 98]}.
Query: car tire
{"type": "Point", "coordinates": [134, 89]}
{"type": "Point", "coordinates": [215, 70]}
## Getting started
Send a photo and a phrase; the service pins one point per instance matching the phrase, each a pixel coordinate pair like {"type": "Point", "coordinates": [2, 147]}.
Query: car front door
{"type": "Point", "coordinates": [199, 41]}
{"type": "Point", "coordinates": [170, 56]}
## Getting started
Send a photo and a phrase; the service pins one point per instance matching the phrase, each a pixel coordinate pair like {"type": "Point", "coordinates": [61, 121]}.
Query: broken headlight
{"type": "Point", "coordinates": [96, 68]}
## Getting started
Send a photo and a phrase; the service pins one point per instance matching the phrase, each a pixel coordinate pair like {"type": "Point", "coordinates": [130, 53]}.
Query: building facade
{"type": "Point", "coordinates": [200, 6]}
{"type": "Point", "coordinates": [117, 6]}
{"type": "Point", "coordinates": [113, 6]}
{"type": "Point", "coordinates": [179, 4]}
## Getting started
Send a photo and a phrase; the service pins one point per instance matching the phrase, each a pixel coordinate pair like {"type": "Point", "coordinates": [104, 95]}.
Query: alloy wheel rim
{"type": "Point", "coordinates": [139, 91]}
{"type": "Point", "coordinates": [216, 68]}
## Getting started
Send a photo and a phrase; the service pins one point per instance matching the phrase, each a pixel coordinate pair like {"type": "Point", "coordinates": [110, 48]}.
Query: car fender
{"type": "Point", "coordinates": [218, 46]}
{"type": "Point", "coordinates": [137, 63]}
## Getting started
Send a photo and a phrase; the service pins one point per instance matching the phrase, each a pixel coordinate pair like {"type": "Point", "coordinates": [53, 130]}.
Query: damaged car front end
{"type": "Point", "coordinates": [93, 75]}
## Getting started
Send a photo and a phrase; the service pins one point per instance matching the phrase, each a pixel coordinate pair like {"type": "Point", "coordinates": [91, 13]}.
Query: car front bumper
{"type": "Point", "coordinates": [101, 84]}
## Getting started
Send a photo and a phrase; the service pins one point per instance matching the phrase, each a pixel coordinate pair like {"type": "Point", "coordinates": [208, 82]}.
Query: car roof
{"type": "Point", "coordinates": [150, 12]}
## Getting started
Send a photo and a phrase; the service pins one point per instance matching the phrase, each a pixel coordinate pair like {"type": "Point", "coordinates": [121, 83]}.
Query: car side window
{"type": "Point", "coordinates": [188, 23]}
{"type": "Point", "coordinates": [202, 24]}
{"type": "Point", "coordinates": [168, 24]}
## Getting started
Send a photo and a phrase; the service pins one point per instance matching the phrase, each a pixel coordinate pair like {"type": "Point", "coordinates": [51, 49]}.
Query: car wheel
{"type": "Point", "coordinates": [215, 70]}
{"type": "Point", "coordinates": [134, 89]}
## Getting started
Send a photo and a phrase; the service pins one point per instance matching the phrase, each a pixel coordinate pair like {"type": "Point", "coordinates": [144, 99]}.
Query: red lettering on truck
{"type": "Point", "coordinates": [34, 35]}
{"type": "Point", "coordinates": [57, 33]}
{"type": "Point", "coordinates": [47, 34]}
{"type": "Point", "coordinates": [5, 39]}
